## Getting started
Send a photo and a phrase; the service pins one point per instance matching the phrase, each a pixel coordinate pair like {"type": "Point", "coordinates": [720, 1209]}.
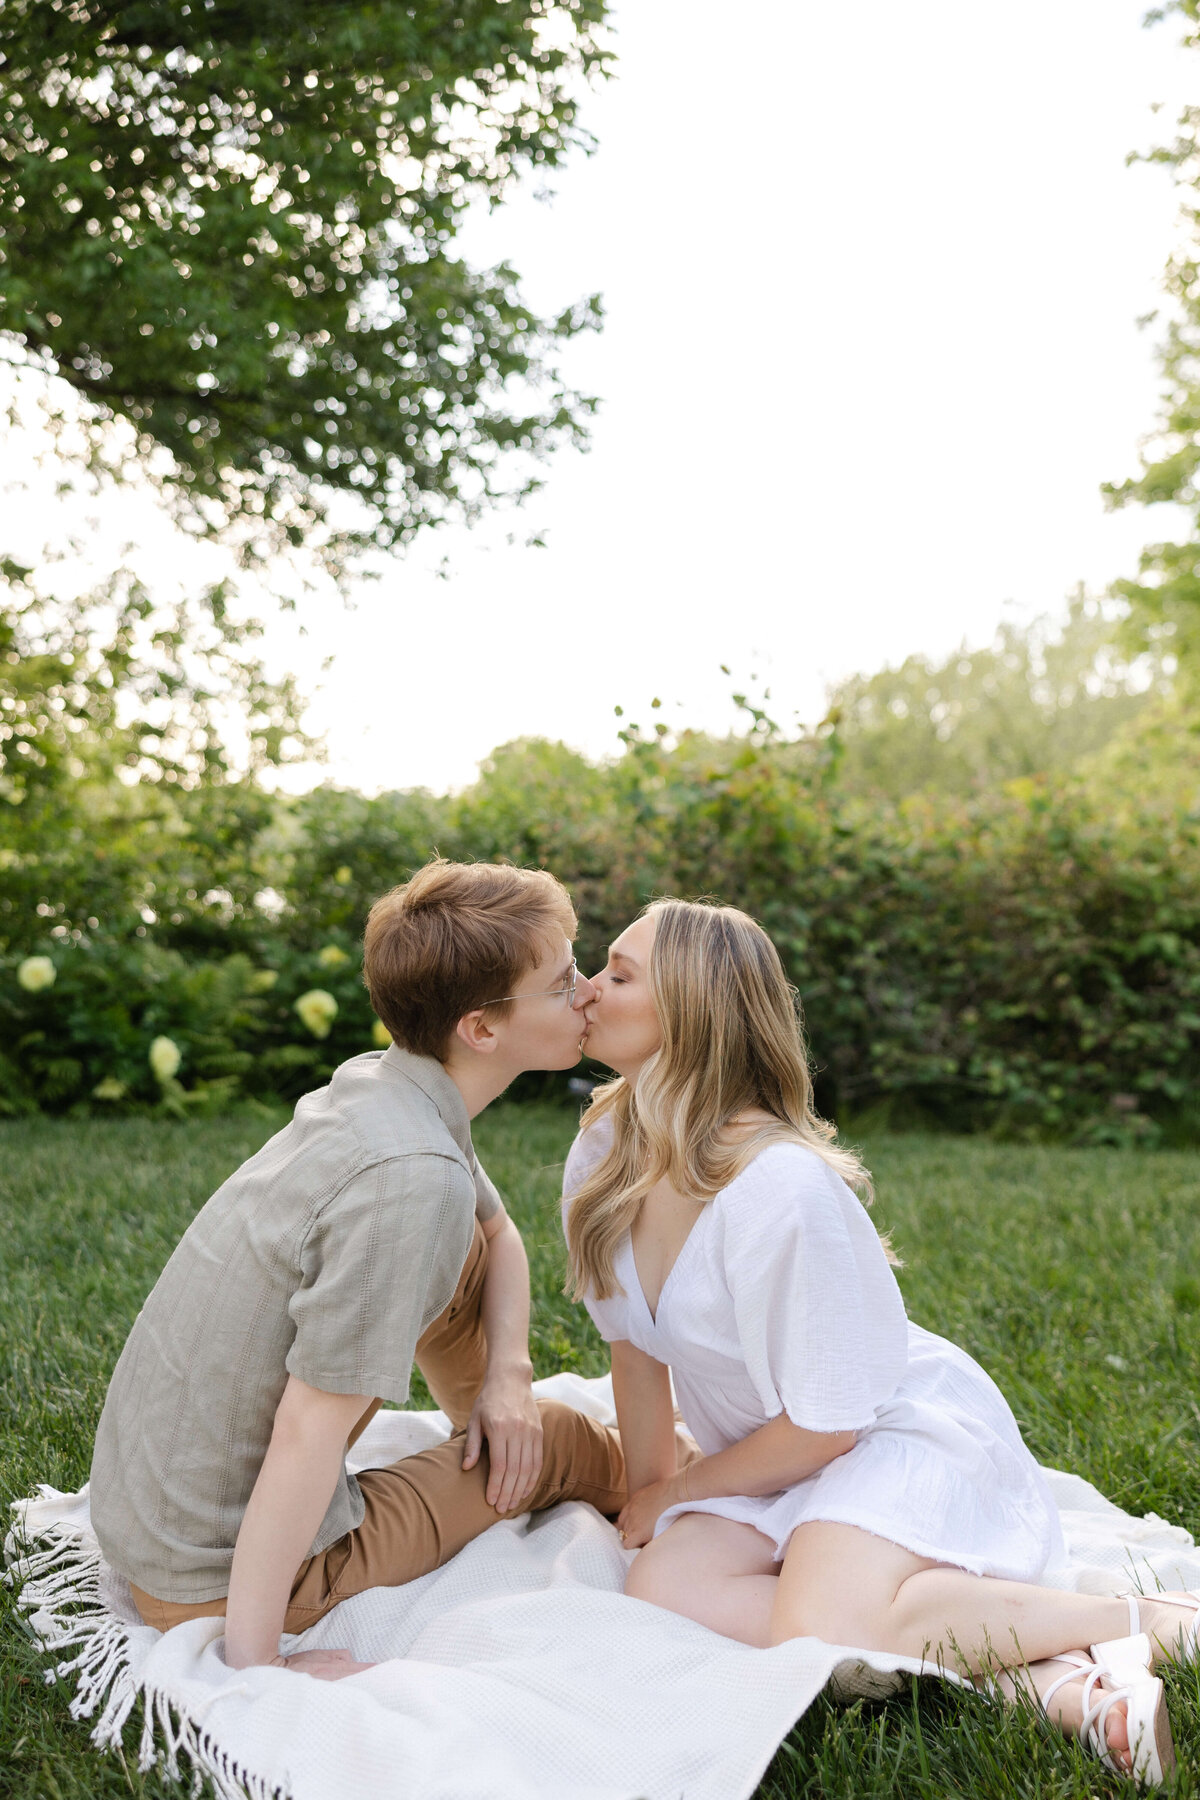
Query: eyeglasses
{"type": "Point", "coordinates": [567, 990]}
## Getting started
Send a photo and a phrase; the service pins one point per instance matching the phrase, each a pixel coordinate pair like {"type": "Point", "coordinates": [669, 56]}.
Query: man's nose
{"type": "Point", "coordinates": [585, 991]}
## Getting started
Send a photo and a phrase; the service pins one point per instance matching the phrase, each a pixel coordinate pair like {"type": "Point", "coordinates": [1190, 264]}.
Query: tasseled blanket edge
{"type": "Point", "coordinates": [55, 1570]}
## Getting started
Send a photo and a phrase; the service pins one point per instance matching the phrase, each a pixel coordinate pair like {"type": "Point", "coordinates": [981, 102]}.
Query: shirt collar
{"type": "Point", "coordinates": [429, 1075]}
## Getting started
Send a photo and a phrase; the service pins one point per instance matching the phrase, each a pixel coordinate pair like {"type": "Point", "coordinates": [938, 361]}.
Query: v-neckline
{"type": "Point", "coordinates": [670, 1274]}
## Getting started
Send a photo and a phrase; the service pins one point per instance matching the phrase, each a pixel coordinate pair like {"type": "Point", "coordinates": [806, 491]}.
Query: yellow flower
{"type": "Point", "coordinates": [36, 973]}
{"type": "Point", "coordinates": [380, 1034]}
{"type": "Point", "coordinates": [109, 1089]}
{"type": "Point", "coordinates": [344, 876]}
{"type": "Point", "coordinates": [262, 979]}
{"type": "Point", "coordinates": [317, 1010]}
{"type": "Point", "coordinates": [165, 1058]}
{"type": "Point", "coordinates": [331, 957]}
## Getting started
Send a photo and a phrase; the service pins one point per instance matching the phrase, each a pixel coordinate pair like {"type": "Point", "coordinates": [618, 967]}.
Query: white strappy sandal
{"type": "Point", "coordinates": [1152, 1754]}
{"type": "Point", "coordinates": [1187, 1642]}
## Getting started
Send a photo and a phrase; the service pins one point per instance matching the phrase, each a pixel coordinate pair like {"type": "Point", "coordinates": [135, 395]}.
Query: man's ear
{"type": "Point", "coordinates": [474, 1031]}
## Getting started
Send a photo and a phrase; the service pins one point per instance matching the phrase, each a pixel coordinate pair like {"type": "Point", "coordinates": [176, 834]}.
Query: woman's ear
{"type": "Point", "coordinates": [474, 1031]}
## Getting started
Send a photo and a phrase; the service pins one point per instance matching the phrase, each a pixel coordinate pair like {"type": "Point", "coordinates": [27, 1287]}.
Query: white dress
{"type": "Point", "coordinates": [782, 1300]}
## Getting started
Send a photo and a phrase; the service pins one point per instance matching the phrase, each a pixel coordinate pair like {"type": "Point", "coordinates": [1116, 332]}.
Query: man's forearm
{"type": "Point", "coordinates": [505, 1303]}
{"type": "Point", "coordinates": [290, 1498]}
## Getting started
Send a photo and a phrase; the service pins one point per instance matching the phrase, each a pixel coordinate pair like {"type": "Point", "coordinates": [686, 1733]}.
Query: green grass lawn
{"type": "Point", "coordinates": [1072, 1275]}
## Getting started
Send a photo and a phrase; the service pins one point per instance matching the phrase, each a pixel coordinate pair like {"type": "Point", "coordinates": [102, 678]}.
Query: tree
{"type": "Point", "coordinates": [1034, 702]}
{"type": "Point", "coordinates": [229, 226]}
{"type": "Point", "coordinates": [1164, 600]}
{"type": "Point", "coordinates": [132, 734]}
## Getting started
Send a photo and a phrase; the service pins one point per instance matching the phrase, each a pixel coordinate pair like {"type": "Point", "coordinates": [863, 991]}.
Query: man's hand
{"type": "Point", "coordinates": [506, 1415]}
{"type": "Point", "coordinates": [324, 1665]}
{"type": "Point", "coordinates": [640, 1513]}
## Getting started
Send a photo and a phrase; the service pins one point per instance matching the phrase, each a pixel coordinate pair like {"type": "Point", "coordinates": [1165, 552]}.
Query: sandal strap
{"type": "Point", "coordinates": [1095, 1717]}
{"type": "Point", "coordinates": [1189, 1635]}
{"type": "Point", "coordinates": [1077, 1663]}
{"type": "Point", "coordinates": [1125, 1659]}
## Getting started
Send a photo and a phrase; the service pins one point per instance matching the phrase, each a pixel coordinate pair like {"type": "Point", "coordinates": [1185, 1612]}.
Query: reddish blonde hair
{"type": "Point", "coordinates": [455, 936]}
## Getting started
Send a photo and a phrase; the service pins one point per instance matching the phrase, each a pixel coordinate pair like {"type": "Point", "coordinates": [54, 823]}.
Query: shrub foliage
{"type": "Point", "coordinates": [1024, 959]}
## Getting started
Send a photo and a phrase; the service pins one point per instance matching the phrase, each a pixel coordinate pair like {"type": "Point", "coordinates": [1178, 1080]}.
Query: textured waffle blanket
{"type": "Point", "coordinates": [519, 1671]}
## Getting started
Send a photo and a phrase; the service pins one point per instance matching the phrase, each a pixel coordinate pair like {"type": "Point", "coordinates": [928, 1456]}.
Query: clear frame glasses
{"type": "Point", "coordinates": [567, 990]}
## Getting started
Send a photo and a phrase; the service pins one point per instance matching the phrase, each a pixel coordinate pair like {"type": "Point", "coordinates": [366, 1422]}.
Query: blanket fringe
{"type": "Point", "coordinates": [56, 1568]}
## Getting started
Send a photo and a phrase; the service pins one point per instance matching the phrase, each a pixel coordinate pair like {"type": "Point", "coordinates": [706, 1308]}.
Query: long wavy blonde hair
{"type": "Point", "coordinates": [732, 1038]}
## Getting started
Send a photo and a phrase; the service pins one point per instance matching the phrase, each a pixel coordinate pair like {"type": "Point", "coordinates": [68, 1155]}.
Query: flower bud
{"type": "Point", "coordinates": [317, 1010]}
{"type": "Point", "coordinates": [165, 1058]}
{"type": "Point", "coordinates": [36, 973]}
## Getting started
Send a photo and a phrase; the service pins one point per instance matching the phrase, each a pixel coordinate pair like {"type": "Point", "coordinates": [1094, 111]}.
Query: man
{"type": "Point", "coordinates": [363, 1237]}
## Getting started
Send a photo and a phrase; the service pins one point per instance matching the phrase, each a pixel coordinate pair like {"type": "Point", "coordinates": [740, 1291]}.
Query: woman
{"type": "Point", "coordinates": [860, 1480]}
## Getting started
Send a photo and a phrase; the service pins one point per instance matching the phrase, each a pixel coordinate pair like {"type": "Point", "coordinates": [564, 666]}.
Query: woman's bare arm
{"type": "Point", "coordinates": [645, 1415]}
{"type": "Point", "coordinates": [771, 1458]}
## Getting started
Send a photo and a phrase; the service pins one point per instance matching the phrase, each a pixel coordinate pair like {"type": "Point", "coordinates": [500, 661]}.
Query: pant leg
{"type": "Point", "coordinates": [425, 1509]}
{"type": "Point", "coordinates": [452, 1352]}
{"type": "Point", "coordinates": [162, 1614]}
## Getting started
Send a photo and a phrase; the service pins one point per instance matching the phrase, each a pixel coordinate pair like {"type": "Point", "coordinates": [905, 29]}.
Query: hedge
{"type": "Point", "coordinates": [1026, 962]}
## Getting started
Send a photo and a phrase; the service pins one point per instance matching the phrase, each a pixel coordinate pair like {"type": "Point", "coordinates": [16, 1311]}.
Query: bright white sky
{"type": "Point", "coordinates": [871, 275]}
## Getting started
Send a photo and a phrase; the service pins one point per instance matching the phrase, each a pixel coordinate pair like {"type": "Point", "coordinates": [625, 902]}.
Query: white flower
{"type": "Point", "coordinates": [332, 957]}
{"type": "Point", "coordinates": [344, 876]}
{"type": "Point", "coordinates": [317, 1010]}
{"type": "Point", "coordinates": [110, 1088]}
{"type": "Point", "coordinates": [36, 973]}
{"type": "Point", "coordinates": [380, 1034]}
{"type": "Point", "coordinates": [165, 1058]}
{"type": "Point", "coordinates": [263, 979]}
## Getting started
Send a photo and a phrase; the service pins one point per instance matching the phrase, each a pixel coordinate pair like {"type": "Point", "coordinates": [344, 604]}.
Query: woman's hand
{"type": "Point", "coordinates": [506, 1414]}
{"type": "Point", "coordinates": [642, 1511]}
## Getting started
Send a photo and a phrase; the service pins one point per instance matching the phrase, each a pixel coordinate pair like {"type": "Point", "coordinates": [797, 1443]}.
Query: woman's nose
{"type": "Point", "coordinates": [585, 991]}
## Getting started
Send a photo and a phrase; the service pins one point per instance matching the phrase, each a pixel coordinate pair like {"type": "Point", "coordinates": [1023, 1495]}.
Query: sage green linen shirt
{"type": "Point", "coordinates": [325, 1256]}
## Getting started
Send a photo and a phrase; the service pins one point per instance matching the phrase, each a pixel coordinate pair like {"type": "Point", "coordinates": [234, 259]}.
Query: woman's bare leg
{"type": "Point", "coordinates": [721, 1574]}
{"type": "Point", "coordinates": [849, 1587]}
{"type": "Point", "coordinates": [846, 1586]}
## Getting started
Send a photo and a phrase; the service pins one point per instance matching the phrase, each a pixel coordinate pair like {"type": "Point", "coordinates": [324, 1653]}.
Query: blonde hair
{"type": "Point", "coordinates": [732, 1038]}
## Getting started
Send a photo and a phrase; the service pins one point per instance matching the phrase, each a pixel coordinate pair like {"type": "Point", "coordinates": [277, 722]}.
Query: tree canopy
{"type": "Point", "coordinates": [1036, 701]}
{"type": "Point", "coordinates": [231, 227]}
{"type": "Point", "coordinates": [1164, 599]}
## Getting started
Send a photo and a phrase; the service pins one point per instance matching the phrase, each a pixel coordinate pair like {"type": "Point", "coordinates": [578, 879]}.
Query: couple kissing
{"type": "Point", "coordinates": [793, 1456]}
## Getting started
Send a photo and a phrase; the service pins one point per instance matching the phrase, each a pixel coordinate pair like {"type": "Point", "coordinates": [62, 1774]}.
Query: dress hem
{"type": "Point", "coordinates": [971, 1565]}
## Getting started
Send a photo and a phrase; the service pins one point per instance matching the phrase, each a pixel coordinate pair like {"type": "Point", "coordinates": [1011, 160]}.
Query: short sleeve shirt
{"type": "Point", "coordinates": [324, 1256]}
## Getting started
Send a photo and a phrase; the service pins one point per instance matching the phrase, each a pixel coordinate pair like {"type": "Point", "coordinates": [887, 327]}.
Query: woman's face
{"type": "Point", "coordinates": [623, 1029]}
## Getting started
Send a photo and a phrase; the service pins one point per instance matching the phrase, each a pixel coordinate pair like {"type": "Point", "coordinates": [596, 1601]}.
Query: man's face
{"type": "Point", "coordinates": [544, 1025]}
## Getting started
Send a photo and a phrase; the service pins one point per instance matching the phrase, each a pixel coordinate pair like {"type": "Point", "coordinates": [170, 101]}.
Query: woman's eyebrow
{"type": "Point", "coordinates": [620, 956]}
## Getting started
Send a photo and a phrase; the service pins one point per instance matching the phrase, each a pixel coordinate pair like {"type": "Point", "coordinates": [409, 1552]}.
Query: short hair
{"type": "Point", "coordinates": [454, 937]}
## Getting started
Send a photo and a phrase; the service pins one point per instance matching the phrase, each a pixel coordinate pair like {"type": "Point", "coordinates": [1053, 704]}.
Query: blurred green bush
{"type": "Point", "coordinates": [1025, 959]}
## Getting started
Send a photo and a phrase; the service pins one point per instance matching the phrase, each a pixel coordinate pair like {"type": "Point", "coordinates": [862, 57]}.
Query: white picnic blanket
{"type": "Point", "coordinates": [518, 1672]}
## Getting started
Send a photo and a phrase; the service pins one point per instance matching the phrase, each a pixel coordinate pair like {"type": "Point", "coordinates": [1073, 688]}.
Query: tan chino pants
{"type": "Point", "coordinates": [421, 1511]}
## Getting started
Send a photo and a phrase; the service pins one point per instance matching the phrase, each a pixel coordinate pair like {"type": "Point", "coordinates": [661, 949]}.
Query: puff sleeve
{"type": "Point", "coordinates": [819, 1317]}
